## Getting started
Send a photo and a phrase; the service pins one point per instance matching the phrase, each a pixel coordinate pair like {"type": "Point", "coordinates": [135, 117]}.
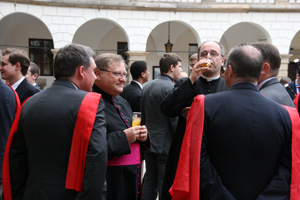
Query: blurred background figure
{"type": "Point", "coordinates": [132, 92]}
{"type": "Point", "coordinates": [32, 74]}
{"type": "Point", "coordinates": [285, 80]}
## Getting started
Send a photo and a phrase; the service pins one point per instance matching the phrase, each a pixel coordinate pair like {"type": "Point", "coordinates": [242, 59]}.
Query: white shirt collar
{"type": "Point", "coordinates": [138, 84]}
{"type": "Point", "coordinates": [16, 84]}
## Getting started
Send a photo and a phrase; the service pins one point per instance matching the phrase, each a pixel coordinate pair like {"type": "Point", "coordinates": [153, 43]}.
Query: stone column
{"type": "Point", "coordinates": [134, 56]}
{"type": "Point", "coordinates": [283, 71]}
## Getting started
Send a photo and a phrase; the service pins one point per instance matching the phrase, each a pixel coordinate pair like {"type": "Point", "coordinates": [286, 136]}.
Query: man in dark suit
{"type": "Point", "coordinates": [14, 67]}
{"type": "Point", "coordinates": [268, 83]}
{"type": "Point", "coordinates": [161, 127]}
{"type": "Point", "coordinates": [246, 142]}
{"type": "Point", "coordinates": [132, 92]}
{"type": "Point", "coordinates": [61, 130]}
{"type": "Point", "coordinates": [201, 81]}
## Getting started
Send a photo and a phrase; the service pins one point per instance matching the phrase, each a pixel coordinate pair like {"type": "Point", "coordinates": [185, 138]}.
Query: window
{"type": "Point", "coordinates": [40, 53]}
{"type": "Point", "coordinates": [122, 48]}
{"type": "Point", "coordinates": [193, 48]}
{"type": "Point", "coordinates": [155, 72]}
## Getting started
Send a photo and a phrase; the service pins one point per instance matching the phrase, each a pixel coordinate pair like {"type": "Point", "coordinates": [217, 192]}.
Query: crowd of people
{"type": "Point", "coordinates": [227, 129]}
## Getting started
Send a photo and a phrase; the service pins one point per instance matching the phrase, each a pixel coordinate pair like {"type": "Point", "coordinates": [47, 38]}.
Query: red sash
{"type": "Point", "coordinates": [296, 101]}
{"type": "Point", "coordinates": [5, 171]}
{"type": "Point", "coordinates": [82, 132]}
{"type": "Point", "coordinates": [187, 179]}
{"type": "Point", "coordinates": [80, 142]}
{"type": "Point", "coordinates": [295, 175]}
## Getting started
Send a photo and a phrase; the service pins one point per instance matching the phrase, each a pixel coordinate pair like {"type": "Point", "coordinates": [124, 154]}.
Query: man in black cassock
{"type": "Point", "coordinates": [124, 142]}
{"type": "Point", "coordinates": [177, 103]}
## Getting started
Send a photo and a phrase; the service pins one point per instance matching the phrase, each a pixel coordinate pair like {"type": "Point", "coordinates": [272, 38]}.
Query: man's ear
{"type": "Point", "coordinates": [35, 76]}
{"type": "Point", "coordinates": [223, 61]}
{"type": "Point", "coordinates": [172, 68]}
{"type": "Point", "coordinates": [266, 68]}
{"type": "Point", "coordinates": [18, 66]}
{"type": "Point", "coordinates": [230, 71]}
{"type": "Point", "coordinates": [97, 73]}
{"type": "Point", "coordinates": [80, 72]}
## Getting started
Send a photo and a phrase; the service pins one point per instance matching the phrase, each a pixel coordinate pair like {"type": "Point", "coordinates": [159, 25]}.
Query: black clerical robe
{"type": "Point", "coordinates": [124, 169]}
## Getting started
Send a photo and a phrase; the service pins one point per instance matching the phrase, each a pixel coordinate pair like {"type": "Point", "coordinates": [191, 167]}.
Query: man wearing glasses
{"type": "Point", "coordinates": [204, 79]}
{"type": "Point", "coordinates": [123, 141]}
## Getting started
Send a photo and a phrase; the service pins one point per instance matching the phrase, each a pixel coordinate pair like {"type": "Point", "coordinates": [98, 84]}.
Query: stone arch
{"type": "Point", "coordinates": [100, 39]}
{"type": "Point", "coordinates": [295, 54]}
{"type": "Point", "coordinates": [17, 28]}
{"type": "Point", "coordinates": [181, 35]}
{"type": "Point", "coordinates": [244, 32]}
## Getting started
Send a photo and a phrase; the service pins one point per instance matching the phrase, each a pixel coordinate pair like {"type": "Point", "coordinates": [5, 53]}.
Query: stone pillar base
{"type": "Point", "coordinates": [283, 71]}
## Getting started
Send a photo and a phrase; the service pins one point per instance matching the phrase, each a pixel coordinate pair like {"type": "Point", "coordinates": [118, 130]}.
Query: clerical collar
{"type": "Point", "coordinates": [209, 79]}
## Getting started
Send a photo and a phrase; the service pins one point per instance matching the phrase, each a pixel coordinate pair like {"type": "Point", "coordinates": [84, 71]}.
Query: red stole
{"type": "Point", "coordinates": [81, 138]}
{"type": "Point", "coordinates": [5, 171]}
{"type": "Point", "coordinates": [296, 101]}
{"type": "Point", "coordinates": [80, 141]}
{"type": "Point", "coordinates": [295, 175]}
{"type": "Point", "coordinates": [187, 179]}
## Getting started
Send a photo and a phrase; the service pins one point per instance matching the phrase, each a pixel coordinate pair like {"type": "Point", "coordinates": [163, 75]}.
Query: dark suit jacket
{"type": "Point", "coordinates": [26, 90]}
{"type": "Point", "coordinates": [40, 150]}
{"type": "Point", "coordinates": [7, 115]}
{"type": "Point", "coordinates": [132, 93]}
{"type": "Point", "coordinates": [292, 86]}
{"type": "Point", "coordinates": [161, 128]}
{"type": "Point", "coordinates": [172, 106]}
{"type": "Point", "coordinates": [275, 91]}
{"type": "Point", "coordinates": [246, 147]}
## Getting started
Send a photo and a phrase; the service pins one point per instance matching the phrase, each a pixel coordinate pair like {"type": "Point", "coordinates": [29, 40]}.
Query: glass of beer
{"type": "Point", "coordinates": [136, 119]}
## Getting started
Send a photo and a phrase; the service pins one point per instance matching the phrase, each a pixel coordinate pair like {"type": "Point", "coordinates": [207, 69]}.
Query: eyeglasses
{"type": "Point", "coordinates": [212, 53]}
{"type": "Point", "coordinates": [116, 74]}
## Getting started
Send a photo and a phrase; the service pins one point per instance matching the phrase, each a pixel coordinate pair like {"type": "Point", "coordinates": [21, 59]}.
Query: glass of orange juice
{"type": "Point", "coordinates": [136, 119]}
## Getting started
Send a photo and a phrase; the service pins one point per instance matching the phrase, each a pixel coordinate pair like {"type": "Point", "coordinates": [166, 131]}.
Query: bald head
{"type": "Point", "coordinates": [246, 62]}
